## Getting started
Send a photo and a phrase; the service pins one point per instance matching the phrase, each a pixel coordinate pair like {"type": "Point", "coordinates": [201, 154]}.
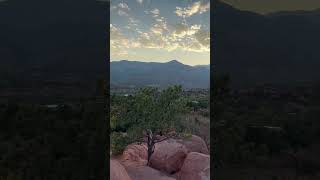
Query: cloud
{"type": "Point", "coordinates": [133, 22]}
{"type": "Point", "coordinates": [133, 25]}
{"type": "Point", "coordinates": [187, 38]}
{"type": "Point", "coordinates": [190, 38]}
{"type": "Point", "coordinates": [161, 19]}
{"type": "Point", "coordinates": [122, 13]}
{"type": "Point", "coordinates": [140, 1]}
{"type": "Point", "coordinates": [203, 37]}
{"type": "Point", "coordinates": [197, 7]}
{"type": "Point", "coordinates": [118, 42]}
{"type": "Point", "coordinates": [158, 29]}
{"type": "Point", "coordinates": [155, 12]}
{"type": "Point", "coordinates": [122, 9]}
{"type": "Point", "coordinates": [160, 26]}
{"type": "Point", "coordinates": [123, 6]}
{"type": "Point", "coordinates": [182, 30]}
{"type": "Point", "coordinates": [116, 37]}
{"type": "Point", "coordinates": [121, 43]}
{"type": "Point", "coordinates": [160, 34]}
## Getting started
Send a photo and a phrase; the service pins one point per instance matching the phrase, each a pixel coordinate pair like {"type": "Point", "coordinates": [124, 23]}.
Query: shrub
{"type": "Point", "coordinates": [119, 141]}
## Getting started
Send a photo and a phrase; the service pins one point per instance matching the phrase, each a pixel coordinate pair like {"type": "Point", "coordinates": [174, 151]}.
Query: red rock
{"type": "Point", "coordinates": [136, 152]}
{"type": "Point", "coordinates": [195, 167]}
{"type": "Point", "coordinates": [194, 144]}
{"type": "Point", "coordinates": [146, 173]}
{"type": "Point", "coordinates": [168, 156]}
{"type": "Point", "coordinates": [117, 171]}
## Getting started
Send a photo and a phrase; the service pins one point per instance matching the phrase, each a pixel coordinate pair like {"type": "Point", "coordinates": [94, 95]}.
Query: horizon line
{"type": "Point", "coordinates": [159, 62]}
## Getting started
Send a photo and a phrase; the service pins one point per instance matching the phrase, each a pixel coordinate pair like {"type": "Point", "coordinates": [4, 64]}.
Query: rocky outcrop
{"type": "Point", "coordinates": [195, 167]}
{"type": "Point", "coordinates": [136, 152]}
{"type": "Point", "coordinates": [117, 171]}
{"type": "Point", "coordinates": [184, 157]}
{"type": "Point", "coordinates": [168, 156]}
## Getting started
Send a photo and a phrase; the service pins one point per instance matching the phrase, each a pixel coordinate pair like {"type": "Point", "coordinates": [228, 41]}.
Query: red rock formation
{"type": "Point", "coordinates": [195, 167]}
{"type": "Point", "coordinates": [136, 152]}
{"type": "Point", "coordinates": [194, 144]}
{"type": "Point", "coordinates": [168, 156]}
{"type": "Point", "coordinates": [117, 171]}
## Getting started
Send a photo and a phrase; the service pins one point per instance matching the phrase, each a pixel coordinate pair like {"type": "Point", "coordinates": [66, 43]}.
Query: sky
{"type": "Point", "coordinates": [269, 6]}
{"type": "Point", "coordinates": [160, 31]}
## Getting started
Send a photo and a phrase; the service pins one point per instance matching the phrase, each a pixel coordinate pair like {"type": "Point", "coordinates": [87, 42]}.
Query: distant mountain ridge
{"type": "Point", "coordinates": [136, 73]}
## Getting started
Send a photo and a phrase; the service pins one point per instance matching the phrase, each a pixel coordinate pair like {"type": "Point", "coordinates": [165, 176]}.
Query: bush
{"type": "Point", "coordinates": [119, 141]}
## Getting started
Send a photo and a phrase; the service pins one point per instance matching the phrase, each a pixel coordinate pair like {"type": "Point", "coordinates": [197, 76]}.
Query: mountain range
{"type": "Point", "coordinates": [281, 47]}
{"type": "Point", "coordinates": [135, 73]}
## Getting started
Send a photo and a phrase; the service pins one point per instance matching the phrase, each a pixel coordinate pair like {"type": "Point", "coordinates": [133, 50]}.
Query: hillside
{"type": "Point", "coordinates": [159, 74]}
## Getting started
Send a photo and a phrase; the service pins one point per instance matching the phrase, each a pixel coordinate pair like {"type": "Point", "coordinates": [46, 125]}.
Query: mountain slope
{"type": "Point", "coordinates": [159, 74]}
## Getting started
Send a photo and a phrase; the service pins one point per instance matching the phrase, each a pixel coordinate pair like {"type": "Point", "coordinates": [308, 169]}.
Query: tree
{"type": "Point", "coordinates": [150, 115]}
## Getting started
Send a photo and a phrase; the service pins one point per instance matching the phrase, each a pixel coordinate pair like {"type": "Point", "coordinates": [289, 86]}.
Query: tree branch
{"type": "Point", "coordinates": [170, 136]}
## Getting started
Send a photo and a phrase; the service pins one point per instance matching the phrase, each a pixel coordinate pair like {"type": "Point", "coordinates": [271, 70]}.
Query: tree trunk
{"type": "Point", "coordinates": [150, 144]}
{"type": "Point", "coordinates": [151, 141]}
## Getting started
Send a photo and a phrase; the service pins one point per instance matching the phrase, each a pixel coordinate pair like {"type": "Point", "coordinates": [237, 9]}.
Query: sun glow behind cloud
{"type": "Point", "coordinates": [154, 30]}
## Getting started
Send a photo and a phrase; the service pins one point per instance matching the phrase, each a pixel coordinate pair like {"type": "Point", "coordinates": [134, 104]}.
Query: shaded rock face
{"type": "Point", "coordinates": [136, 152]}
{"type": "Point", "coordinates": [117, 171]}
{"type": "Point", "coordinates": [195, 167]}
{"type": "Point", "coordinates": [146, 173]}
{"type": "Point", "coordinates": [194, 144]}
{"type": "Point", "coordinates": [168, 156]}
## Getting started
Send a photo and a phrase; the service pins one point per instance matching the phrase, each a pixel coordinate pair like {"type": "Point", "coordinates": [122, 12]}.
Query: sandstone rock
{"type": "Point", "coordinates": [195, 167]}
{"type": "Point", "coordinates": [136, 152]}
{"type": "Point", "coordinates": [168, 156]}
{"type": "Point", "coordinates": [194, 144]}
{"type": "Point", "coordinates": [117, 171]}
{"type": "Point", "coordinates": [147, 173]}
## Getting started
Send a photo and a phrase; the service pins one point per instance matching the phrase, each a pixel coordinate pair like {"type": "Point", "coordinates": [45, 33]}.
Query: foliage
{"type": "Point", "coordinates": [119, 141]}
{"type": "Point", "coordinates": [149, 109]}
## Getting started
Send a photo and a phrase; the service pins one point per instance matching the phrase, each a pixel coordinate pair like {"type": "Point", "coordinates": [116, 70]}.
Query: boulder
{"type": "Point", "coordinates": [146, 173]}
{"type": "Point", "coordinates": [194, 144]}
{"type": "Point", "coordinates": [117, 171]}
{"type": "Point", "coordinates": [195, 167]}
{"type": "Point", "coordinates": [168, 156]}
{"type": "Point", "coordinates": [136, 152]}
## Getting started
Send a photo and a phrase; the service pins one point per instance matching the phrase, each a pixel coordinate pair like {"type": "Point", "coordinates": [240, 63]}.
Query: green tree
{"type": "Point", "coordinates": [149, 116]}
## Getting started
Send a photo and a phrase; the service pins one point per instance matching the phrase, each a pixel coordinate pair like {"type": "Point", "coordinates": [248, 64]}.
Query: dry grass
{"type": "Point", "coordinates": [198, 125]}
